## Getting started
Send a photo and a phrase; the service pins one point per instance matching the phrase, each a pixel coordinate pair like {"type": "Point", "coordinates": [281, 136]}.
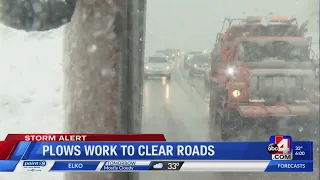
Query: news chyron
{"type": "Point", "coordinates": [280, 147]}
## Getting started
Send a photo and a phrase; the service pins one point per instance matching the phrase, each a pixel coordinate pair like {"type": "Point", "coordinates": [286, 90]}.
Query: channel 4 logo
{"type": "Point", "coordinates": [280, 147]}
{"type": "Point", "coordinates": [34, 163]}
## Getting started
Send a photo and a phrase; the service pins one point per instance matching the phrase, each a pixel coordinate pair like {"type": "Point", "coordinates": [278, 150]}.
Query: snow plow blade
{"type": "Point", "coordinates": [278, 111]}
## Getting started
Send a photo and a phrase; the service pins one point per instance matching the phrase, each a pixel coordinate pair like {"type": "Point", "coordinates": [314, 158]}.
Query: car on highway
{"type": "Point", "coordinates": [187, 56]}
{"type": "Point", "coordinates": [157, 65]}
{"type": "Point", "coordinates": [172, 54]}
{"type": "Point", "coordinates": [198, 64]}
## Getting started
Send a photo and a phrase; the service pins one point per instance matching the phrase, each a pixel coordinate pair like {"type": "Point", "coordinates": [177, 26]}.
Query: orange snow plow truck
{"type": "Point", "coordinates": [261, 74]}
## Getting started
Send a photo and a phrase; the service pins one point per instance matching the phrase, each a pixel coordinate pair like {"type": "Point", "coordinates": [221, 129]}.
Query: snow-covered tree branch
{"type": "Point", "coordinates": [36, 15]}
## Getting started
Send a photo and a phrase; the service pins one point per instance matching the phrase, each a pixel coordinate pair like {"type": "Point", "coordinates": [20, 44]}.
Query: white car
{"type": "Point", "coordinates": [157, 66]}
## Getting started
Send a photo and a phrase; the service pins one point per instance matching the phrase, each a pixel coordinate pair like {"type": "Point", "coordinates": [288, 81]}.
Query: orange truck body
{"type": "Point", "coordinates": [229, 51]}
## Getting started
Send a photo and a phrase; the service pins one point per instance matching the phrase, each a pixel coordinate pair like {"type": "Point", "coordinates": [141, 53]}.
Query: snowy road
{"type": "Point", "coordinates": [176, 110]}
{"type": "Point", "coordinates": [179, 110]}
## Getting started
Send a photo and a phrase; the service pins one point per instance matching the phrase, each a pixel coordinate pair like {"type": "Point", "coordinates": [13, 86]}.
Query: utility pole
{"type": "Point", "coordinates": [103, 65]}
{"type": "Point", "coordinates": [313, 17]}
{"type": "Point", "coordinates": [313, 27]}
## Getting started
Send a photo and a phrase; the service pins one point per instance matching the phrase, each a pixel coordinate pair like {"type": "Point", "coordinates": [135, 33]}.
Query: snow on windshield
{"type": "Point", "coordinates": [181, 105]}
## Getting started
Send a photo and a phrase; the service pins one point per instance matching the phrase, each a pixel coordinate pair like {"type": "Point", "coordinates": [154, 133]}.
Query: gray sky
{"type": "Point", "coordinates": [193, 24]}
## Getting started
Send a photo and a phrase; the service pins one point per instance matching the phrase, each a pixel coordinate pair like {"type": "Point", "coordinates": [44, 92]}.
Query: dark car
{"type": "Point", "coordinates": [198, 64]}
{"type": "Point", "coordinates": [188, 56]}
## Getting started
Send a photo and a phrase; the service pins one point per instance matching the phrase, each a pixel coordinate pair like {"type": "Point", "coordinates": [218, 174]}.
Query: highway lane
{"type": "Point", "coordinates": [179, 109]}
{"type": "Point", "coordinates": [175, 110]}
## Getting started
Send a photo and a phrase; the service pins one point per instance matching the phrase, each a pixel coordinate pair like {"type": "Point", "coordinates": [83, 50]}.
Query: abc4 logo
{"type": "Point", "coordinates": [273, 148]}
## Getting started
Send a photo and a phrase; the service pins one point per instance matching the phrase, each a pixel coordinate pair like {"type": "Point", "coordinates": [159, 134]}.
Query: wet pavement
{"type": "Point", "coordinates": [179, 109]}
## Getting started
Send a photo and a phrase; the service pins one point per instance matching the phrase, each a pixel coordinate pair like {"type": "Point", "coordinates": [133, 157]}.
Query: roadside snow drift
{"type": "Point", "coordinates": [30, 86]}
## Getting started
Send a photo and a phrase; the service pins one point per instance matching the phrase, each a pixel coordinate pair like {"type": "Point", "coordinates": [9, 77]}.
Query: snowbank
{"type": "Point", "coordinates": [30, 86]}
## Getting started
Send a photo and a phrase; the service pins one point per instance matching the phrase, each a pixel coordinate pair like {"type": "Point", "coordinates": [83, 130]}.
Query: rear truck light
{"type": "Point", "coordinates": [236, 93]}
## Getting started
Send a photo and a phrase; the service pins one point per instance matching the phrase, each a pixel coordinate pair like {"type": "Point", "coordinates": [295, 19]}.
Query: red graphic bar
{"type": "Point", "coordinates": [85, 137]}
{"type": "Point", "coordinates": [6, 149]}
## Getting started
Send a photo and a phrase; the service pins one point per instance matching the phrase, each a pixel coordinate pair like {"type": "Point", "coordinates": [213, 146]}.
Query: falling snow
{"type": "Point", "coordinates": [31, 78]}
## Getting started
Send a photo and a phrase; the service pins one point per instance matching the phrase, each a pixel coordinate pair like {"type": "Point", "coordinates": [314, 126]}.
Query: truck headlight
{"type": "Point", "coordinates": [230, 71]}
{"type": "Point", "coordinates": [236, 93]}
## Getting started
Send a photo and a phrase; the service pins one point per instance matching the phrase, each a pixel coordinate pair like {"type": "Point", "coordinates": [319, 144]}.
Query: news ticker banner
{"type": "Point", "coordinates": [85, 153]}
{"type": "Point", "coordinates": [141, 166]}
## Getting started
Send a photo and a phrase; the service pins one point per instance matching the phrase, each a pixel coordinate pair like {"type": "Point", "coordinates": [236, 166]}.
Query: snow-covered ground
{"type": "Point", "coordinates": [30, 87]}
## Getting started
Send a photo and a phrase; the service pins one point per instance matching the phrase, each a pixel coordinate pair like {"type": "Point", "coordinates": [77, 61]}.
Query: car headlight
{"type": "Point", "coordinates": [236, 93]}
{"type": "Point", "coordinates": [168, 67]}
{"type": "Point", "coordinates": [195, 65]}
{"type": "Point", "coordinates": [230, 71]}
{"type": "Point", "coordinates": [146, 67]}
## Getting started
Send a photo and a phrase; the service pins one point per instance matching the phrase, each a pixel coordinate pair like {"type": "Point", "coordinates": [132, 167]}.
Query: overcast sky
{"type": "Point", "coordinates": [193, 24]}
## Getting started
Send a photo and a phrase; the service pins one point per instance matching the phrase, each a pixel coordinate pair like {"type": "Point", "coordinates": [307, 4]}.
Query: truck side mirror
{"type": "Point", "coordinates": [303, 30]}
{"type": "Point", "coordinates": [309, 38]}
